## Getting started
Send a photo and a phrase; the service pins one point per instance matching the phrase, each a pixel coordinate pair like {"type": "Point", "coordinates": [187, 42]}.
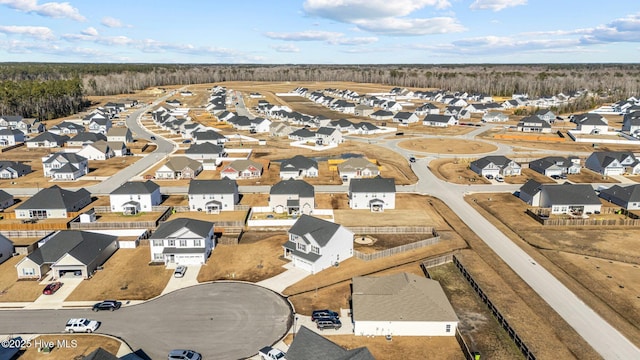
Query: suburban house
{"type": "Point", "coordinates": [65, 166]}
{"type": "Point", "coordinates": [315, 244]}
{"type": "Point", "coordinates": [68, 253]}
{"type": "Point", "coordinates": [631, 123]}
{"type": "Point", "coordinates": [205, 151]}
{"type": "Point", "coordinates": [122, 134]}
{"type": "Point", "coordinates": [303, 134]}
{"type": "Point", "coordinates": [298, 167]}
{"type": "Point", "coordinates": [53, 203]}
{"type": "Point", "coordinates": [119, 148]}
{"type": "Point", "coordinates": [533, 124]}
{"type": "Point", "coordinates": [438, 120]}
{"type": "Point", "coordinates": [47, 140]}
{"type": "Point", "coordinates": [626, 196]}
{"type": "Point", "coordinates": [98, 125]}
{"type": "Point", "coordinates": [328, 136]}
{"type": "Point", "coordinates": [10, 137]}
{"type": "Point", "coordinates": [495, 116]}
{"type": "Point", "coordinates": [426, 109]}
{"type": "Point", "coordinates": [609, 163]}
{"type": "Point", "coordinates": [362, 110]}
{"type": "Point", "coordinates": [6, 200]}
{"type": "Point", "coordinates": [133, 197]}
{"type": "Point", "coordinates": [546, 115]}
{"type": "Point", "coordinates": [292, 197]}
{"type": "Point", "coordinates": [405, 117]}
{"type": "Point", "coordinates": [99, 150]}
{"type": "Point", "coordinates": [364, 128]}
{"type": "Point", "coordinates": [13, 169]}
{"type": "Point", "coordinates": [66, 128]}
{"type": "Point", "coordinates": [495, 165]}
{"type": "Point", "coordinates": [375, 194]}
{"type": "Point", "coordinates": [401, 304]}
{"type": "Point", "coordinates": [575, 199]}
{"type": "Point", "coordinates": [85, 138]}
{"type": "Point", "coordinates": [591, 123]}
{"type": "Point", "coordinates": [6, 248]}
{"type": "Point", "coordinates": [309, 345]}
{"type": "Point", "coordinates": [242, 169]}
{"type": "Point", "coordinates": [213, 196]}
{"type": "Point", "coordinates": [210, 136]}
{"type": "Point", "coordinates": [357, 168]}
{"type": "Point", "coordinates": [182, 241]}
{"type": "Point", "coordinates": [381, 115]}
{"type": "Point", "coordinates": [179, 167]}
{"type": "Point", "coordinates": [556, 165]}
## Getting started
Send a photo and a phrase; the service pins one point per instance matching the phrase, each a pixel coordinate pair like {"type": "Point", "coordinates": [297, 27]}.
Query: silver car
{"type": "Point", "coordinates": [180, 270]}
{"type": "Point", "coordinates": [184, 355]}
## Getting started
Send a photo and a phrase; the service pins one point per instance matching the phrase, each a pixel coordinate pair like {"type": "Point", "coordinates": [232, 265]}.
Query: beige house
{"type": "Point", "coordinates": [292, 197]}
{"type": "Point", "coordinates": [179, 167]}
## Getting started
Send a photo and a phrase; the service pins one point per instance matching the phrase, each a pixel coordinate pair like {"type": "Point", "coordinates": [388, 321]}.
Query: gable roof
{"type": "Point", "coordinates": [298, 162]}
{"type": "Point", "coordinates": [567, 193]}
{"type": "Point", "coordinates": [100, 354]}
{"type": "Point", "coordinates": [605, 158]}
{"type": "Point", "coordinates": [243, 164]}
{"type": "Point", "coordinates": [50, 137]}
{"type": "Point", "coordinates": [549, 161]}
{"type": "Point", "coordinates": [168, 228]}
{"type": "Point", "coordinates": [88, 136]}
{"type": "Point", "coordinates": [438, 118]}
{"type": "Point", "coordinates": [629, 194]}
{"type": "Point", "coordinates": [308, 345]}
{"type": "Point", "coordinates": [291, 186]}
{"type": "Point", "coordinates": [54, 198]}
{"type": "Point", "coordinates": [118, 131]}
{"type": "Point", "coordinates": [181, 162]}
{"type": "Point", "coordinates": [499, 160]}
{"type": "Point", "coordinates": [377, 184]}
{"type": "Point", "coordinates": [400, 297]}
{"type": "Point", "coordinates": [222, 186]}
{"type": "Point", "coordinates": [204, 148]}
{"type": "Point", "coordinates": [82, 245]}
{"type": "Point", "coordinates": [319, 230]}
{"type": "Point", "coordinates": [531, 187]}
{"type": "Point", "coordinates": [356, 163]}
{"type": "Point", "coordinates": [136, 188]}
{"type": "Point", "coordinates": [72, 158]}
{"type": "Point", "coordinates": [326, 131]}
{"type": "Point", "coordinates": [5, 196]}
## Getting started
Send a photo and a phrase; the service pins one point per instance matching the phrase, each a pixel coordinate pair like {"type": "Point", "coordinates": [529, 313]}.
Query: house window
{"type": "Point", "coordinates": [448, 328]}
{"type": "Point", "coordinates": [301, 247]}
{"type": "Point", "coordinates": [157, 242]}
{"type": "Point", "coordinates": [28, 271]}
{"type": "Point", "coordinates": [171, 242]}
{"type": "Point", "coordinates": [197, 243]}
{"type": "Point", "coordinates": [183, 243]}
{"type": "Point", "coordinates": [315, 249]}
{"type": "Point", "coordinates": [158, 256]}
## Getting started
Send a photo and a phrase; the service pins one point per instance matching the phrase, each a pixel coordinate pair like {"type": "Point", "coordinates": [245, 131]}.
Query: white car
{"type": "Point", "coordinates": [81, 325]}
{"type": "Point", "coordinates": [180, 270]}
{"type": "Point", "coordinates": [499, 178]}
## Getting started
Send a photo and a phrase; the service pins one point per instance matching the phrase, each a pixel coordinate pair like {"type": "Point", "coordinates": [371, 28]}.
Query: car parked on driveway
{"type": "Point", "coordinates": [320, 314]}
{"type": "Point", "coordinates": [179, 271]}
{"type": "Point", "coordinates": [110, 305]}
{"type": "Point", "coordinates": [52, 288]}
{"type": "Point", "coordinates": [184, 355]}
{"type": "Point", "coordinates": [328, 323]}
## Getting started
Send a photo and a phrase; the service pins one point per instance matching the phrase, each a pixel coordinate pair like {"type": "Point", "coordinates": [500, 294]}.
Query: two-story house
{"type": "Point", "coordinates": [213, 196]}
{"type": "Point", "coordinates": [10, 137]}
{"type": "Point", "coordinates": [65, 166]}
{"type": "Point", "coordinates": [182, 242]}
{"type": "Point", "coordinates": [292, 197]}
{"type": "Point", "coordinates": [133, 197]}
{"type": "Point", "coordinates": [298, 167]}
{"type": "Point", "coordinates": [375, 194]}
{"type": "Point", "coordinates": [495, 165]}
{"type": "Point", "coordinates": [613, 163]}
{"type": "Point", "coordinates": [119, 134]}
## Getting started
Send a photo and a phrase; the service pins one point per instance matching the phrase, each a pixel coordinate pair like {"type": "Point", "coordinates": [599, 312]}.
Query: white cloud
{"type": "Point", "coordinates": [625, 29]}
{"type": "Point", "coordinates": [496, 5]}
{"type": "Point", "coordinates": [112, 22]}
{"type": "Point", "coordinates": [50, 9]}
{"type": "Point", "coordinates": [353, 41]}
{"type": "Point", "coordinates": [350, 10]}
{"type": "Point", "coordinates": [408, 27]}
{"type": "Point", "coordinates": [38, 32]}
{"type": "Point", "coordinates": [304, 35]}
{"type": "Point", "coordinates": [90, 31]}
{"type": "Point", "coordinates": [286, 48]}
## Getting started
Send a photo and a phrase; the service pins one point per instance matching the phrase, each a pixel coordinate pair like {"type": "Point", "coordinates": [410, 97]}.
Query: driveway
{"type": "Point", "coordinates": [55, 300]}
{"type": "Point", "coordinates": [190, 278]}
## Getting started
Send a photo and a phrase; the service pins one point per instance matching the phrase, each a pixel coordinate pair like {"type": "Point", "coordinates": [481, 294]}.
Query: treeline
{"type": "Point", "coordinates": [40, 99]}
{"type": "Point", "coordinates": [611, 81]}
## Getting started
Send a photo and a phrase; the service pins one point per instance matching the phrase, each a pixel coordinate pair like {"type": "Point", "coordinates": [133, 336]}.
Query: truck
{"type": "Point", "coordinates": [270, 353]}
{"type": "Point", "coordinates": [81, 325]}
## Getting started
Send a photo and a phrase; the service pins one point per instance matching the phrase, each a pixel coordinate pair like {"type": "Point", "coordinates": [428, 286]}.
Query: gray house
{"type": "Point", "coordinates": [574, 199]}
{"type": "Point", "coordinates": [6, 200]}
{"type": "Point", "coordinates": [6, 249]}
{"type": "Point", "coordinates": [53, 202]}
{"type": "Point", "coordinates": [13, 169]}
{"type": "Point", "coordinates": [68, 253]}
{"type": "Point", "coordinates": [613, 163]}
{"type": "Point", "coordinates": [292, 197]}
{"type": "Point", "coordinates": [213, 196]}
{"type": "Point", "coordinates": [626, 196]}
{"type": "Point", "coordinates": [298, 167]}
{"type": "Point", "coordinates": [534, 124]}
{"type": "Point", "coordinates": [205, 151]}
{"type": "Point", "coordinates": [495, 165]}
{"type": "Point", "coordinates": [309, 345]}
{"type": "Point", "coordinates": [182, 242]}
{"type": "Point", "coordinates": [556, 165]}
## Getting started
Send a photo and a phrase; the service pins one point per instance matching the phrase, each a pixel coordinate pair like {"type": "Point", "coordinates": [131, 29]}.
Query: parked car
{"type": "Point", "coordinates": [555, 177]}
{"type": "Point", "coordinates": [489, 176]}
{"type": "Point", "coordinates": [110, 305]}
{"type": "Point", "coordinates": [184, 355]}
{"type": "Point", "coordinates": [320, 314]}
{"type": "Point", "coordinates": [81, 325]}
{"type": "Point", "coordinates": [52, 288]}
{"type": "Point", "coordinates": [328, 323]}
{"type": "Point", "coordinates": [179, 271]}
{"type": "Point", "coordinates": [412, 159]}
{"type": "Point", "coordinates": [499, 178]}
{"type": "Point", "coordinates": [153, 138]}
{"type": "Point", "coordinates": [269, 353]}
{"type": "Point", "coordinates": [187, 141]}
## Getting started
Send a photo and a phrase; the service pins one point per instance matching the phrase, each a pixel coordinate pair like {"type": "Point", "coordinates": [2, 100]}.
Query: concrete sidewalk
{"type": "Point", "coordinates": [282, 281]}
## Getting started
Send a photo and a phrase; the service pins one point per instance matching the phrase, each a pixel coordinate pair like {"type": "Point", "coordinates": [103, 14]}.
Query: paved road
{"type": "Point", "coordinates": [221, 320]}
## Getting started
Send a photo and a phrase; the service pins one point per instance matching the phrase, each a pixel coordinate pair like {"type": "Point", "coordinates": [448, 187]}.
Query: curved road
{"type": "Point", "coordinates": [223, 320]}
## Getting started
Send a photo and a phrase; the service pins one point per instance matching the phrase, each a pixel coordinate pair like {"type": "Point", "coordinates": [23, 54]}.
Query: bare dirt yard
{"type": "Point", "coordinates": [447, 146]}
{"type": "Point", "coordinates": [456, 171]}
{"type": "Point", "coordinates": [598, 263]}
{"type": "Point", "coordinates": [84, 345]}
{"type": "Point", "coordinates": [127, 275]}
{"type": "Point", "coordinates": [14, 290]}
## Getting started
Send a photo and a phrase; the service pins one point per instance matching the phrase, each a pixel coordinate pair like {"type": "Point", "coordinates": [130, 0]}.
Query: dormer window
{"type": "Point", "coordinates": [301, 247]}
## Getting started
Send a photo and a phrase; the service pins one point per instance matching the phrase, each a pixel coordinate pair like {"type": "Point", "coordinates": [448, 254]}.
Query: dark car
{"type": "Point", "coordinates": [153, 138]}
{"type": "Point", "coordinates": [52, 288]}
{"type": "Point", "coordinates": [328, 323]}
{"type": "Point", "coordinates": [412, 159]}
{"type": "Point", "coordinates": [489, 176]}
{"type": "Point", "coordinates": [320, 314]}
{"type": "Point", "coordinates": [110, 305]}
{"type": "Point", "coordinates": [186, 141]}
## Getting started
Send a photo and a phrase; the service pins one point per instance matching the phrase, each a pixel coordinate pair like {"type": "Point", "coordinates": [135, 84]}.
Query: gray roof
{"type": "Point", "coordinates": [529, 120]}
{"type": "Point", "coordinates": [365, 126]}
{"type": "Point", "coordinates": [49, 136]}
{"type": "Point", "coordinates": [627, 194]}
{"type": "Point", "coordinates": [403, 115]}
{"type": "Point", "coordinates": [300, 187]}
{"type": "Point", "coordinates": [136, 188]}
{"type": "Point", "coordinates": [438, 118]}
{"type": "Point", "coordinates": [531, 187]}
{"type": "Point", "coordinates": [82, 245]}
{"type": "Point", "coordinates": [498, 160]}
{"type": "Point", "coordinates": [303, 133]}
{"type": "Point", "coordinates": [400, 297]}
{"type": "Point", "coordinates": [377, 184]}
{"type": "Point", "coordinates": [70, 157]}
{"type": "Point", "coordinates": [222, 186]}
{"type": "Point", "coordinates": [549, 161]}
{"type": "Point", "coordinates": [382, 113]}
{"type": "Point", "coordinates": [341, 123]}
{"type": "Point", "coordinates": [570, 194]}
{"type": "Point", "coordinates": [167, 229]}
{"type": "Point", "coordinates": [308, 345]}
{"type": "Point", "coordinates": [89, 136]}
{"type": "Point", "coordinates": [100, 354]}
{"type": "Point", "coordinates": [320, 230]}
{"type": "Point", "coordinates": [4, 196]}
{"type": "Point", "coordinates": [298, 162]}
{"type": "Point", "coordinates": [326, 130]}
{"type": "Point", "coordinates": [204, 148]}
{"type": "Point", "coordinates": [207, 135]}
{"type": "Point", "coordinates": [607, 157]}
{"type": "Point", "coordinates": [54, 198]}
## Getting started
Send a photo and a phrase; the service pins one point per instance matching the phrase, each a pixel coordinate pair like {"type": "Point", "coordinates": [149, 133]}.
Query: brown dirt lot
{"type": "Point", "coordinates": [258, 256]}
{"type": "Point", "coordinates": [126, 275]}
{"type": "Point", "coordinates": [588, 176]}
{"type": "Point", "coordinates": [529, 174]}
{"type": "Point", "coordinates": [447, 146]}
{"type": "Point", "coordinates": [456, 171]}
{"type": "Point", "coordinates": [12, 290]}
{"type": "Point", "coordinates": [85, 344]}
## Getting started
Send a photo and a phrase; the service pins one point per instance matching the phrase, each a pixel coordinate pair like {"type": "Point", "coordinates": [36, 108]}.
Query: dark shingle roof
{"type": "Point", "coordinates": [204, 148]}
{"type": "Point", "coordinates": [307, 345]}
{"type": "Point", "coordinates": [320, 230]}
{"type": "Point", "coordinates": [54, 198]}
{"type": "Point", "coordinates": [574, 194]}
{"type": "Point", "coordinates": [499, 160]}
{"type": "Point", "coordinates": [627, 194]}
{"type": "Point", "coordinates": [300, 187]}
{"type": "Point", "coordinates": [89, 136]}
{"type": "Point", "coordinates": [100, 354]}
{"type": "Point", "coordinates": [82, 245]}
{"type": "Point", "coordinates": [376, 184]}
{"type": "Point", "coordinates": [136, 187]}
{"type": "Point", "coordinates": [167, 229]}
{"type": "Point", "coordinates": [298, 162]}
{"type": "Point", "coordinates": [222, 186]}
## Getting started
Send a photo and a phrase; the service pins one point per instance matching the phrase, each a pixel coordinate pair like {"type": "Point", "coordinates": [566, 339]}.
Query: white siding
{"type": "Point", "coordinates": [404, 328]}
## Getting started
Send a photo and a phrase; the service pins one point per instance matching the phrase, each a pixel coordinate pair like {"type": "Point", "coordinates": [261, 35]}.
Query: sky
{"type": "Point", "coordinates": [321, 31]}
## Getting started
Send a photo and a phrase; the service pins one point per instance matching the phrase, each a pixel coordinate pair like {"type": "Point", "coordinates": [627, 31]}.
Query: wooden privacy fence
{"type": "Point", "coordinates": [396, 250]}
{"type": "Point", "coordinates": [540, 215]}
{"type": "Point", "coordinates": [392, 230]}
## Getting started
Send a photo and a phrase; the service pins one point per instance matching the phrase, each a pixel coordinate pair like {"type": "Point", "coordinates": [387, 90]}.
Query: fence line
{"type": "Point", "coordinates": [540, 215]}
{"type": "Point", "coordinates": [392, 229]}
{"type": "Point", "coordinates": [503, 322]}
{"type": "Point", "coordinates": [396, 250]}
{"type": "Point", "coordinates": [25, 233]}
{"type": "Point", "coordinates": [436, 261]}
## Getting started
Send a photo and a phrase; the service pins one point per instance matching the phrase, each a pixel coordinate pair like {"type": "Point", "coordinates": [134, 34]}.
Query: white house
{"type": "Point", "coordinates": [401, 304]}
{"type": "Point", "coordinates": [47, 140]}
{"type": "Point", "coordinates": [496, 165]}
{"type": "Point", "coordinates": [495, 116]}
{"type": "Point", "coordinates": [213, 196]}
{"type": "Point", "coordinates": [556, 165]}
{"type": "Point", "coordinates": [13, 169]}
{"type": "Point", "coordinates": [328, 136]}
{"type": "Point", "coordinates": [613, 163]}
{"type": "Point", "coordinates": [405, 117]}
{"type": "Point", "coordinates": [375, 194]}
{"type": "Point", "coordinates": [626, 196]}
{"type": "Point", "coordinates": [575, 199]}
{"type": "Point", "coordinates": [315, 244]}
{"type": "Point", "coordinates": [182, 242]}
{"type": "Point", "coordinates": [121, 134]}
{"type": "Point", "coordinates": [53, 203]}
{"type": "Point", "coordinates": [99, 150]}
{"type": "Point", "coordinates": [438, 120]}
{"type": "Point", "coordinates": [70, 166]}
{"type": "Point", "coordinates": [133, 197]}
{"type": "Point", "coordinates": [10, 137]}
{"type": "Point", "coordinates": [292, 197]}
{"type": "Point", "coordinates": [298, 167]}
{"type": "Point", "coordinates": [357, 168]}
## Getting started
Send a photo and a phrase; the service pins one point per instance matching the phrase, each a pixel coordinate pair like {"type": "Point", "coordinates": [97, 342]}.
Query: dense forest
{"type": "Point", "coordinates": [51, 90]}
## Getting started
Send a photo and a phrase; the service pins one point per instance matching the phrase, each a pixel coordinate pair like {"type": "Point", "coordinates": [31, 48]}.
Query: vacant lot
{"type": "Point", "coordinates": [456, 171]}
{"type": "Point", "coordinates": [12, 290]}
{"type": "Point", "coordinates": [588, 176]}
{"type": "Point", "coordinates": [447, 146]}
{"type": "Point", "coordinates": [85, 345]}
{"type": "Point", "coordinates": [126, 275]}
{"type": "Point", "coordinates": [529, 174]}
